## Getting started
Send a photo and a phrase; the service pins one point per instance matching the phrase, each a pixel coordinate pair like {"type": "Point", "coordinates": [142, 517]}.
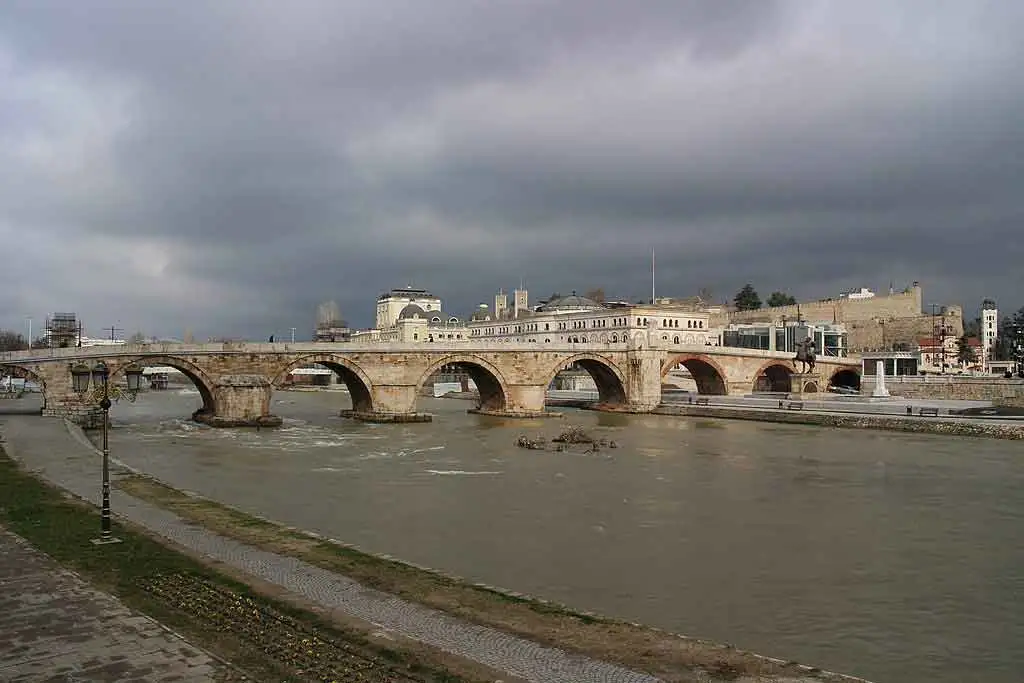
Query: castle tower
{"type": "Point", "coordinates": [989, 330]}
{"type": "Point", "coordinates": [500, 305]}
{"type": "Point", "coordinates": [520, 302]}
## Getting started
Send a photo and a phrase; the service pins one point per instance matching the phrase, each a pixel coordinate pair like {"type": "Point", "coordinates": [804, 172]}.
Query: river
{"type": "Point", "coordinates": [897, 557]}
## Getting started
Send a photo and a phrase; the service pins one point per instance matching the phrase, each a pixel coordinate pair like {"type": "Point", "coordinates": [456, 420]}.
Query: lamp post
{"type": "Point", "coordinates": [101, 392]}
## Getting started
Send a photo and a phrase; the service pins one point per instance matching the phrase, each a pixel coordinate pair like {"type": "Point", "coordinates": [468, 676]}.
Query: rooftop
{"type": "Point", "coordinates": [406, 292]}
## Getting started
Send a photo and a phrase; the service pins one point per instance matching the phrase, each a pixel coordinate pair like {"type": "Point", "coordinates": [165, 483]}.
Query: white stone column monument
{"type": "Point", "coordinates": [880, 390]}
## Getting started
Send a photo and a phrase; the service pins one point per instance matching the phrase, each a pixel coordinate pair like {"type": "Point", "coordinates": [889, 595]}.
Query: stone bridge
{"type": "Point", "coordinates": [384, 380]}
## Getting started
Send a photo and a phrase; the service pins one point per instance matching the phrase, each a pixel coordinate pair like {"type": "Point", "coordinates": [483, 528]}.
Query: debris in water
{"type": "Point", "coordinates": [574, 435]}
{"type": "Point", "coordinates": [530, 444]}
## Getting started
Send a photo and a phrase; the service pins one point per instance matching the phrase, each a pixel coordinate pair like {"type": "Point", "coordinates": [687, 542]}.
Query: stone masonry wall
{"type": "Point", "coordinates": [1008, 392]}
{"type": "Point", "coordinates": [903, 305]}
{"type": "Point", "coordinates": [870, 335]}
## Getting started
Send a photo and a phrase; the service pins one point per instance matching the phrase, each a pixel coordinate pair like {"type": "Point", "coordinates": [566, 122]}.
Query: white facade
{"type": "Point", "coordinates": [862, 293]}
{"type": "Point", "coordinates": [989, 330]}
{"type": "Point", "coordinates": [389, 305]}
{"type": "Point", "coordinates": [93, 341]}
{"type": "Point", "coordinates": [672, 326]}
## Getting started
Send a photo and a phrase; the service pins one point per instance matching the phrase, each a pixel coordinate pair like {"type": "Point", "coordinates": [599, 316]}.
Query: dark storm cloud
{"type": "Point", "coordinates": [224, 167]}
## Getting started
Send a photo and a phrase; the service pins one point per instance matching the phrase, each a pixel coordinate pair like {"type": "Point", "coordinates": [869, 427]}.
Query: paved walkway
{"type": "Point", "coordinates": [46, 446]}
{"type": "Point", "coordinates": [55, 627]}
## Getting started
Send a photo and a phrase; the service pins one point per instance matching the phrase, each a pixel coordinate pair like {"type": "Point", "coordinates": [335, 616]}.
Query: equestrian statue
{"type": "Point", "coordinates": [805, 354]}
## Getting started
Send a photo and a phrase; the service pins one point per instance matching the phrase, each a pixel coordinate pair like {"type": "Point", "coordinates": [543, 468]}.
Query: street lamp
{"type": "Point", "coordinates": [101, 393]}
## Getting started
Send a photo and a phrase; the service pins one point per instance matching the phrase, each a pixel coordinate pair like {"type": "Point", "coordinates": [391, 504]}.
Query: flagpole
{"type": "Point", "coordinates": [652, 275]}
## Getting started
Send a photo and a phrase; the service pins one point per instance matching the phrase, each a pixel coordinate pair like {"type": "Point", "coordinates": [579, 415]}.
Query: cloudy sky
{"type": "Point", "coordinates": [223, 167]}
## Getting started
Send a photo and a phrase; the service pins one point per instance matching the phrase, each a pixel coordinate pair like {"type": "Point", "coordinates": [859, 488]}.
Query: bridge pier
{"type": "Point", "coordinates": [74, 409]}
{"type": "Point", "coordinates": [643, 382]}
{"type": "Point", "coordinates": [390, 403]}
{"type": "Point", "coordinates": [521, 400]}
{"type": "Point", "coordinates": [240, 401]}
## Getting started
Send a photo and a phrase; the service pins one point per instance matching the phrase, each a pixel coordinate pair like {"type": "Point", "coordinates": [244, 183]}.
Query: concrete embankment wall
{"type": "Point", "coordinates": [946, 426]}
{"type": "Point", "coordinates": [1006, 392]}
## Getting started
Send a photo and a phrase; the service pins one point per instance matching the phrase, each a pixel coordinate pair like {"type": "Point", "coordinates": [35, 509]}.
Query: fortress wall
{"type": "Point", "coordinates": [873, 335]}
{"type": "Point", "coordinates": [903, 305]}
{"type": "Point", "coordinates": [873, 324]}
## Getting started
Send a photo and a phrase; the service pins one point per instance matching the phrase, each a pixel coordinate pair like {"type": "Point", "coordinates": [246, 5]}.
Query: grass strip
{"type": "Point", "coordinates": [267, 639]}
{"type": "Point", "coordinates": [669, 656]}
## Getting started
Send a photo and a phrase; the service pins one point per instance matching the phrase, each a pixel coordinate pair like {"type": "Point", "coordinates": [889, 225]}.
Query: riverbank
{"type": "Point", "coordinates": [668, 656]}
{"type": "Point", "coordinates": [256, 636]}
{"type": "Point", "coordinates": [948, 426]}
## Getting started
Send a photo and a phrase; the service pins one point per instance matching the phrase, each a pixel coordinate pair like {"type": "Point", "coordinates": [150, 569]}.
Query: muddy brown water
{"type": "Point", "coordinates": [896, 557]}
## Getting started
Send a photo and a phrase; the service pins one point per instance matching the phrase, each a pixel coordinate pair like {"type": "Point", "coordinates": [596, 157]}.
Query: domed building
{"type": "Point", "coordinates": [412, 311]}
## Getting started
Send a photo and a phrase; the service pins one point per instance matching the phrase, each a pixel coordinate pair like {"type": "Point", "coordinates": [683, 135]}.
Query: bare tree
{"type": "Point", "coordinates": [12, 341]}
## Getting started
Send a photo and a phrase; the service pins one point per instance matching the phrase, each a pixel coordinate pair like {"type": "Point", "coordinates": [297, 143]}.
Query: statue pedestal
{"type": "Point", "coordinates": [801, 383]}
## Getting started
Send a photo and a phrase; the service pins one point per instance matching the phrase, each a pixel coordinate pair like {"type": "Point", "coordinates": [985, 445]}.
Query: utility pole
{"type": "Point", "coordinates": [113, 330]}
{"type": "Point", "coordinates": [30, 332]}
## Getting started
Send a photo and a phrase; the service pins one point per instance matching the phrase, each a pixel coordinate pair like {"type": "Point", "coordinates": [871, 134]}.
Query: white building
{"type": "Point", "coordinates": [94, 341]}
{"type": "Point", "coordinates": [861, 293]}
{"type": "Point", "coordinates": [579, 320]}
{"type": "Point", "coordinates": [391, 304]}
{"type": "Point", "coordinates": [989, 330]}
{"type": "Point", "coordinates": [565, 319]}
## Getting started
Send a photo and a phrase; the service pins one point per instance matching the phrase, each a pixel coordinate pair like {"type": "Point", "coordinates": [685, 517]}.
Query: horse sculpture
{"type": "Point", "coordinates": [805, 354]}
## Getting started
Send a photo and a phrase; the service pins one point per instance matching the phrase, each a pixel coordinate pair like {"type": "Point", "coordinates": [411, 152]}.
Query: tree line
{"type": "Point", "coordinates": [747, 299]}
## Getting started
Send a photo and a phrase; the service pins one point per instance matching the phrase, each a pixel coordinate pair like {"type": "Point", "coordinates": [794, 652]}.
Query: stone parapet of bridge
{"type": "Point", "coordinates": [384, 380]}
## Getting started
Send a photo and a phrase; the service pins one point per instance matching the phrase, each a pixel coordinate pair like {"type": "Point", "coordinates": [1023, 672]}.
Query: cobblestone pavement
{"type": "Point", "coordinates": [55, 627]}
{"type": "Point", "coordinates": [46, 446]}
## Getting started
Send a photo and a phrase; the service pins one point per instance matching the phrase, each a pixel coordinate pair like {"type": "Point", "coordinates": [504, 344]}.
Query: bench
{"type": "Point", "coordinates": [795, 405]}
{"type": "Point", "coordinates": [928, 411]}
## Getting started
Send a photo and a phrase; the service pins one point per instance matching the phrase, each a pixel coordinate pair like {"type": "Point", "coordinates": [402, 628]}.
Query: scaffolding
{"type": "Point", "coordinates": [63, 330]}
{"type": "Point", "coordinates": [330, 326]}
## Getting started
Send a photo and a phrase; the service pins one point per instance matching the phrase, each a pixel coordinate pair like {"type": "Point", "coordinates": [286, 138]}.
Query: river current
{"type": "Point", "coordinates": [892, 556]}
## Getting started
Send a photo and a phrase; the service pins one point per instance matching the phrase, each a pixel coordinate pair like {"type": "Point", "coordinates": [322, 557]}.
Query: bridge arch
{"type": "Point", "coordinates": [774, 376]}
{"type": "Point", "coordinates": [845, 377]}
{"type": "Point", "coordinates": [22, 372]}
{"type": "Point", "coordinates": [611, 385]}
{"type": "Point", "coordinates": [489, 380]}
{"type": "Point", "coordinates": [707, 373]}
{"type": "Point", "coordinates": [360, 389]}
{"type": "Point", "coordinates": [203, 382]}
